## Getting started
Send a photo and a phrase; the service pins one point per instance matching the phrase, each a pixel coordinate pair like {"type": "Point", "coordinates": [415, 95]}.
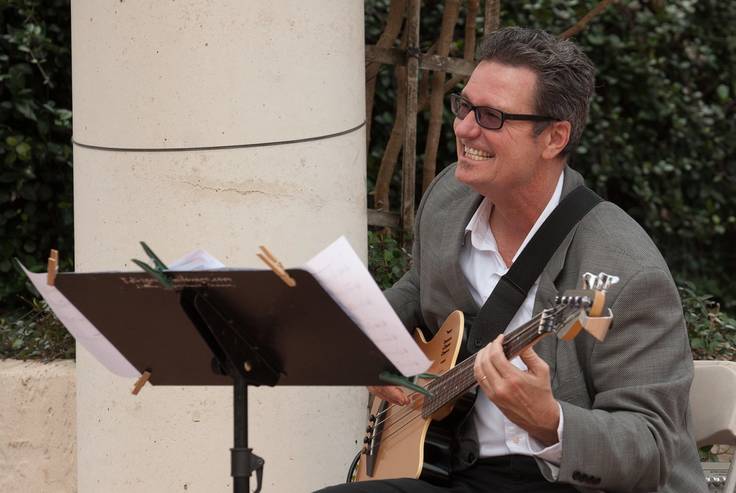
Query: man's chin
{"type": "Point", "coordinates": [475, 174]}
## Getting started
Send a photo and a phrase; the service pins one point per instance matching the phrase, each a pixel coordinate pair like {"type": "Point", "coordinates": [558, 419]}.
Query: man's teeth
{"type": "Point", "coordinates": [476, 154]}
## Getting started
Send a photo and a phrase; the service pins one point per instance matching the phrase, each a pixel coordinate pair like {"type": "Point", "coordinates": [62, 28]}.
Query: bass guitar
{"type": "Point", "coordinates": [416, 440]}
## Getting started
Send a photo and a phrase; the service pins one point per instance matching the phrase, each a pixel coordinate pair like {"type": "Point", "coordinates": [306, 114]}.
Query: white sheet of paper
{"type": "Point", "coordinates": [82, 329]}
{"type": "Point", "coordinates": [342, 274]}
{"type": "Point", "coordinates": [196, 260]}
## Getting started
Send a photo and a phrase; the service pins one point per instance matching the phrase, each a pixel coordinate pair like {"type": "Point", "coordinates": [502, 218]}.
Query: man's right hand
{"type": "Point", "coordinates": [390, 393]}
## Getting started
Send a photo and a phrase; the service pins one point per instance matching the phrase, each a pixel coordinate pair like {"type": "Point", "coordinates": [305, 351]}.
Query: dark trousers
{"type": "Point", "coordinates": [507, 474]}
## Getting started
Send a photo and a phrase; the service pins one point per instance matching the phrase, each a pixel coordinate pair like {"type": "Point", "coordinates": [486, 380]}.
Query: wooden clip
{"type": "Point", "coordinates": [276, 266]}
{"type": "Point", "coordinates": [52, 267]}
{"type": "Point", "coordinates": [141, 382]}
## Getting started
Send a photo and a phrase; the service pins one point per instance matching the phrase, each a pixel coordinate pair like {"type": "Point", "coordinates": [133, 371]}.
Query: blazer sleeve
{"type": "Point", "coordinates": [639, 380]}
{"type": "Point", "coordinates": [405, 295]}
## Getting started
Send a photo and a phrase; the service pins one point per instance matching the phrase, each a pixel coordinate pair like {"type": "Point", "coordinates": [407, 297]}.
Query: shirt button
{"type": "Point", "coordinates": [478, 343]}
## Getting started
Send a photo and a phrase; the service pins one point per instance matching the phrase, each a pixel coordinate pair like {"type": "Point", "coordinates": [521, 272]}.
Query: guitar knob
{"type": "Point", "coordinates": [366, 440]}
{"type": "Point", "coordinates": [372, 418]}
{"type": "Point", "coordinates": [369, 429]}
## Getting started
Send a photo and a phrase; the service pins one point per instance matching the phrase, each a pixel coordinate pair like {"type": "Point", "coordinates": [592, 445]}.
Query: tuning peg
{"type": "Point", "coordinates": [605, 281]}
{"type": "Point", "coordinates": [589, 280]}
{"type": "Point", "coordinates": [601, 282]}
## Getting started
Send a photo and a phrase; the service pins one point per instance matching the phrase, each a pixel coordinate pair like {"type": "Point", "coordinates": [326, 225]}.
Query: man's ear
{"type": "Point", "coordinates": [556, 136]}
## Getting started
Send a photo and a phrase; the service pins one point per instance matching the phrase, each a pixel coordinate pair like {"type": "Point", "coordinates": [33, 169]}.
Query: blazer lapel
{"type": "Point", "coordinates": [454, 237]}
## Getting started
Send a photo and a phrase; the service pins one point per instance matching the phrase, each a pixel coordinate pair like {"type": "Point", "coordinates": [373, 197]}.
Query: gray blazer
{"type": "Point", "coordinates": [624, 401]}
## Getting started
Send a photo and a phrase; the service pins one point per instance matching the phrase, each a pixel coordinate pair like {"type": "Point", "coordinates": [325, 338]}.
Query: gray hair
{"type": "Point", "coordinates": [565, 75]}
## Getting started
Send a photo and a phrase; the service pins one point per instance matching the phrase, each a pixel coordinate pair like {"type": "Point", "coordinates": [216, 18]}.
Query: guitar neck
{"type": "Point", "coordinates": [460, 379]}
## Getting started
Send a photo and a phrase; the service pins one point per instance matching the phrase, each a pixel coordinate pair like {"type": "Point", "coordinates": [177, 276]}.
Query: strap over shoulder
{"type": "Point", "coordinates": [511, 290]}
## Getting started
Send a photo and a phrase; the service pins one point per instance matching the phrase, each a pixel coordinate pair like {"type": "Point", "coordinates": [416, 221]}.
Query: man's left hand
{"type": "Point", "coordinates": [524, 397]}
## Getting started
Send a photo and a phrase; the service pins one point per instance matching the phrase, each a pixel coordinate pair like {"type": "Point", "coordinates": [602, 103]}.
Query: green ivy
{"type": "Point", "coordinates": [35, 333]}
{"type": "Point", "coordinates": [712, 332]}
{"type": "Point", "coordinates": [387, 259]}
{"type": "Point", "coordinates": [35, 139]}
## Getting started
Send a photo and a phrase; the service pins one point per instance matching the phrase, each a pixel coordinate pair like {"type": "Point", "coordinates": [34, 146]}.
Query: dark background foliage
{"type": "Point", "coordinates": [35, 139]}
{"type": "Point", "coordinates": [661, 144]}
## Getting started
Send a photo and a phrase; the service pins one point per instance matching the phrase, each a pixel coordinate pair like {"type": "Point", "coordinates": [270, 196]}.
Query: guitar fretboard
{"type": "Point", "coordinates": [460, 378]}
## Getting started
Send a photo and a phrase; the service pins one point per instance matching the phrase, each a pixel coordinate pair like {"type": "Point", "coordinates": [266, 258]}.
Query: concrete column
{"type": "Point", "coordinates": [216, 125]}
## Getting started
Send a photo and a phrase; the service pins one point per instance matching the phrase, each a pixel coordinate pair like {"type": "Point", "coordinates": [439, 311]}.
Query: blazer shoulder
{"type": "Point", "coordinates": [609, 231]}
{"type": "Point", "coordinates": [445, 190]}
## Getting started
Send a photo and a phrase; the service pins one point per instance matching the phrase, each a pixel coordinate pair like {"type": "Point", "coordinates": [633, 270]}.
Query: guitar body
{"type": "Point", "coordinates": [412, 446]}
{"type": "Point", "coordinates": [416, 440]}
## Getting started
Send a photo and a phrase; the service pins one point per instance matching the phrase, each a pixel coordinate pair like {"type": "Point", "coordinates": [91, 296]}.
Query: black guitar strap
{"type": "Point", "coordinates": [512, 288]}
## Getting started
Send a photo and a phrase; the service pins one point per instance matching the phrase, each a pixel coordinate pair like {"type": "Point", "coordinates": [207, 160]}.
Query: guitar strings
{"type": "Point", "coordinates": [461, 367]}
{"type": "Point", "coordinates": [522, 335]}
{"type": "Point", "coordinates": [518, 339]}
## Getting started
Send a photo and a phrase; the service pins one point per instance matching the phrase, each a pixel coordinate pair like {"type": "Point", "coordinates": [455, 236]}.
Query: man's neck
{"type": "Point", "coordinates": [516, 211]}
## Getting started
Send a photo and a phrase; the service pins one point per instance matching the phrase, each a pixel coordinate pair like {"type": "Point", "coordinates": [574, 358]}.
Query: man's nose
{"type": "Point", "coordinates": [467, 127]}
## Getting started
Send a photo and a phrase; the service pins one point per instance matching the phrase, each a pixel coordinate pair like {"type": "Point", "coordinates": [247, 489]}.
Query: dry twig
{"type": "Point", "coordinates": [436, 106]}
{"type": "Point", "coordinates": [396, 12]}
{"type": "Point", "coordinates": [585, 20]}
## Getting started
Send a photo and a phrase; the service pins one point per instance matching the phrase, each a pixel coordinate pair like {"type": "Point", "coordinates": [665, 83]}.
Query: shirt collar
{"type": "Point", "coordinates": [481, 236]}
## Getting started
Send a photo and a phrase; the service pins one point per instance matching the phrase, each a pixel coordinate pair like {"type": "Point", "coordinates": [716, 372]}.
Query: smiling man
{"type": "Point", "coordinates": [566, 416]}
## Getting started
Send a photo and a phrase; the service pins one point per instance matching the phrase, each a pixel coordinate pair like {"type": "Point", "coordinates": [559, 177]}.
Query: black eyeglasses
{"type": "Point", "coordinates": [489, 118]}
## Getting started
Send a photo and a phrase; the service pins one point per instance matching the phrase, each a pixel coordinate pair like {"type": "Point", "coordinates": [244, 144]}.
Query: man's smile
{"type": "Point", "coordinates": [475, 154]}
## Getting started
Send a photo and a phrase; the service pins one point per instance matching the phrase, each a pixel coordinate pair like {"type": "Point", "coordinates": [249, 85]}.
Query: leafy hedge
{"type": "Point", "coordinates": [34, 333]}
{"type": "Point", "coordinates": [661, 142]}
{"type": "Point", "coordinates": [35, 139]}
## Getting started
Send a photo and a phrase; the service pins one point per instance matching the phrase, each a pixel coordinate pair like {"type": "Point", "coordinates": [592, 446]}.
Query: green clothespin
{"type": "Point", "coordinates": [395, 379]}
{"type": "Point", "coordinates": [428, 376]}
{"type": "Point", "coordinates": [158, 271]}
{"type": "Point", "coordinates": [157, 263]}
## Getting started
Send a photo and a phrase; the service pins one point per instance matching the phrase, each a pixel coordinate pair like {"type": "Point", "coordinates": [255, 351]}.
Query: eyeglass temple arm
{"type": "Point", "coordinates": [535, 118]}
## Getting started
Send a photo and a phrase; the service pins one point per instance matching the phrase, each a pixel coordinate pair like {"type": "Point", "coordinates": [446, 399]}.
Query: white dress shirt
{"type": "Point", "coordinates": [483, 267]}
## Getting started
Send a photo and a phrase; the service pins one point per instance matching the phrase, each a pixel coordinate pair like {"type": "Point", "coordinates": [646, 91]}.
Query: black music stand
{"type": "Point", "coordinates": [228, 327]}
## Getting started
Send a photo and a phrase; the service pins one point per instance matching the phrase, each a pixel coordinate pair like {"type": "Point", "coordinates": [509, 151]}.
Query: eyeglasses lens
{"type": "Point", "coordinates": [486, 117]}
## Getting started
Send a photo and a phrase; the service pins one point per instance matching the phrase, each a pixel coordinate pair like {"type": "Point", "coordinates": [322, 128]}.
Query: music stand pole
{"type": "Point", "coordinates": [242, 456]}
{"type": "Point", "coordinates": [233, 355]}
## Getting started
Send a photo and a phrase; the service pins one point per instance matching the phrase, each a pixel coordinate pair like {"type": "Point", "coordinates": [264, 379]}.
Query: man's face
{"type": "Point", "coordinates": [493, 161]}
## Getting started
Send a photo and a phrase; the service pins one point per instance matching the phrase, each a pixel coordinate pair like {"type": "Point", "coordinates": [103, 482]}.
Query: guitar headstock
{"type": "Point", "coordinates": [585, 308]}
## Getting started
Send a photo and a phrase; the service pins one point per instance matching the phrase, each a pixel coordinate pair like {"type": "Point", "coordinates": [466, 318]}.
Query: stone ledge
{"type": "Point", "coordinates": [38, 426]}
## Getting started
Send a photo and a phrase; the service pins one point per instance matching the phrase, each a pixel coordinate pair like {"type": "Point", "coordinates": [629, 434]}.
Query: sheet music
{"type": "Point", "coordinates": [82, 329]}
{"type": "Point", "coordinates": [342, 274]}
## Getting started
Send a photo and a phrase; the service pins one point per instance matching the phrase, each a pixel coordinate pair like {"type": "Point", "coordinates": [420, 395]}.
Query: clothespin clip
{"type": "Point", "coordinates": [157, 271]}
{"type": "Point", "coordinates": [276, 266]}
{"type": "Point", "coordinates": [52, 267]}
{"type": "Point", "coordinates": [145, 376]}
{"type": "Point", "coordinates": [395, 379]}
